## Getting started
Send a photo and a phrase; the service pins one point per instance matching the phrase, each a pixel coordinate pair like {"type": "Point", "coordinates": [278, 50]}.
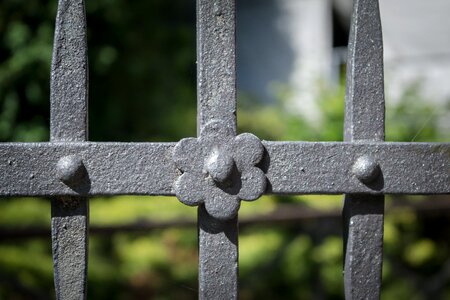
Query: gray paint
{"type": "Point", "coordinates": [69, 168]}
{"type": "Point", "coordinates": [364, 121]}
{"type": "Point", "coordinates": [68, 123]}
{"type": "Point", "coordinates": [29, 169]}
{"type": "Point", "coordinates": [216, 98]}
{"type": "Point", "coordinates": [366, 169]}
{"type": "Point", "coordinates": [69, 74]}
{"type": "Point", "coordinates": [216, 57]}
{"type": "Point", "coordinates": [219, 170]}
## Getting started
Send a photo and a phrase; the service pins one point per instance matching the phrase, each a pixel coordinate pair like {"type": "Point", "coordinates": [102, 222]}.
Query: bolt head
{"type": "Point", "coordinates": [70, 169]}
{"type": "Point", "coordinates": [366, 169]}
{"type": "Point", "coordinates": [219, 166]}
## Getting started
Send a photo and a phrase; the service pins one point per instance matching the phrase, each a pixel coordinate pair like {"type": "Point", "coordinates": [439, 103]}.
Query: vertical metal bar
{"type": "Point", "coordinates": [216, 59]}
{"type": "Point", "coordinates": [216, 89]}
{"type": "Point", "coordinates": [69, 100]}
{"type": "Point", "coordinates": [364, 121]}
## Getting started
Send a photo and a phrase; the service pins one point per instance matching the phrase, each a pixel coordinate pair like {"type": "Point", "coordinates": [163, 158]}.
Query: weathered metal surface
{"type": "Point", "coordinates": [366, 169]}
{"type": "Point", "coordinates": [218, 257]}
{"type": "Point", "coordinates": [216, 102]}
{"type": "Point", "coordinates": [29, 169]}
{"type": "Point", "coordinates": [364, 121]}
{"type": "Point", "coordinates": [68, 123]}
{"type": "Point", "coordinates": [71, 170]}
{"type": "Point", "coordinates": [363, 237]}
{"type": "Point", "coordinates": [218, 170]}
{"type": "Point", "coordinates": [112, 168]}
{"type": "Point", "coordinates": [69, 74]}
{"type": "Point", "coordinates": [216, 63]}
{"type": "Point", "coordinates": [68, 169]}
{"type": "Point", "coordinates": [326, 168]}
{"type": "Point", "coordinates": [70, 220]}
{"type": "Point", "coordinates": [364, 105]}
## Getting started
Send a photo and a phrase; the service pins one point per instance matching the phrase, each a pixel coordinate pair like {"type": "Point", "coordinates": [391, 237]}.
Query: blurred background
{"type": "Point", "coordinates": [291, 57]}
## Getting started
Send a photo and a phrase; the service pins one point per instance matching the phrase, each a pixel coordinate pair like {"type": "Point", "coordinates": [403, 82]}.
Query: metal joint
{"type": "Point", "coordinates": [219, 169]}
{"type": "Point", "coordinates": [70, 170]}
{"type": "Point", "coordinates": [366, 169]}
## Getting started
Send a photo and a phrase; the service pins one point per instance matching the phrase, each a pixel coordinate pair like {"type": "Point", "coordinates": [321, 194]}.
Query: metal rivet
{"type": "Point", "coordinates": [70, 169]}
{"type": "Point", "coordinates": [366, 169]}
{"type": "Point", "coordinates": [219, 165]}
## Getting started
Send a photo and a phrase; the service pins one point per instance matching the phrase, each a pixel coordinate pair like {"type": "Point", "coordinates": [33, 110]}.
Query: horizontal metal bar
{"type": "Point", "coordinates": [29, 169]}
{"type": "Point", "coordinates": [113, 168]}
{"type": "Point", "coordinates": [325, 168]}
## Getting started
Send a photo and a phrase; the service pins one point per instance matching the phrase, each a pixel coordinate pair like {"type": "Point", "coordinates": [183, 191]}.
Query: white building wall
{"type": "Point", "coordinates": [416, 36]}
{"type": "Point", "coordinates": [284, 44]}
{"type": "Point", "coordinates": [289, 42]}
{"type": "Point", "coordinates": [307, 23]}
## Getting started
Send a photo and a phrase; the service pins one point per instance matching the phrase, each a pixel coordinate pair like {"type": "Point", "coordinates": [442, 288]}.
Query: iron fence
{"type": "Point", "coordinates": [218, 169]}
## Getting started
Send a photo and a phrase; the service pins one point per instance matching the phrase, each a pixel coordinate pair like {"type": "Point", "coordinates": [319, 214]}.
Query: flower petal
{"type": "Point", "coordinates": [248, 150]}
{"type": "Point", "coordinates": [189, 189]}
{"type": "Point", "coordinates": [221, 205]}
{"type": "Point", "coordinates": [187, 155]}
{"type": "Point", "coordinates": [253, 184]}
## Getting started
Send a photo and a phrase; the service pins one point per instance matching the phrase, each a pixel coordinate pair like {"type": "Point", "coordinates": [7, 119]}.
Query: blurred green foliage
{"type": "Point", "coordinates": [142, 88]}
{"type": "Point", "coordinates": [142, 69]}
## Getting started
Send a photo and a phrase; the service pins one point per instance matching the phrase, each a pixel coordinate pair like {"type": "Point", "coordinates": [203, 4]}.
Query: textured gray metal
{"type": "Point", "coordinates": [216, 102]}
{"type": "Point", "coordinates": [69, 74]}
{"type": "Point", "coordinates": [30, 169]}
{"type": "Point", "coordinates": [364, 121]}
{"type": "Point", "coordinates": [327, 168]}
{"type": "Point", "coordinates": [363, 244]}
{"type": "Point", "coordinates": [218, 257]}
{"type": "Point", "coordinates": [218, 169]}
{"type": "Point", "coordinates": [366, 169]}
{"type": "Point", "coordinates": [112, 168]}
{"type": "Point", "coordinates": [216, 63]}
{"type": "Point", "coordinates": [68, 123]}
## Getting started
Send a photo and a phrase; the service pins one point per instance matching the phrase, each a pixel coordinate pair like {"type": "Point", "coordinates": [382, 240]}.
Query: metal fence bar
{"type": "Point", "coordinates": [216, 90]}
{"type": "Point", "coordinates": [364, 120]}
{"type": "Point", "coordinates": [364, 167]}
{"type": "Point", "coordinates": [147, 168]}
{"type": "Point", "coordinates": [328, 168]}
{"type": "Point", "coordinates": [68, 97]}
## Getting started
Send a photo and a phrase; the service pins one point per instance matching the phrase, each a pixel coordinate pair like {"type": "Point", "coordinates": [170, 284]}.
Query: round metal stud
{"type": "Point", "coordinates": [219, 166]}
{"type": "Point", "coordinates": [366, 169]}
{"type": "Point", "coordinates": [70, 169]}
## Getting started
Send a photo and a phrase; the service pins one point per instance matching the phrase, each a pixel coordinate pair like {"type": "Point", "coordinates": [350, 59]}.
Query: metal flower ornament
{"type": "Point", "coordinates": [218, 169]}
